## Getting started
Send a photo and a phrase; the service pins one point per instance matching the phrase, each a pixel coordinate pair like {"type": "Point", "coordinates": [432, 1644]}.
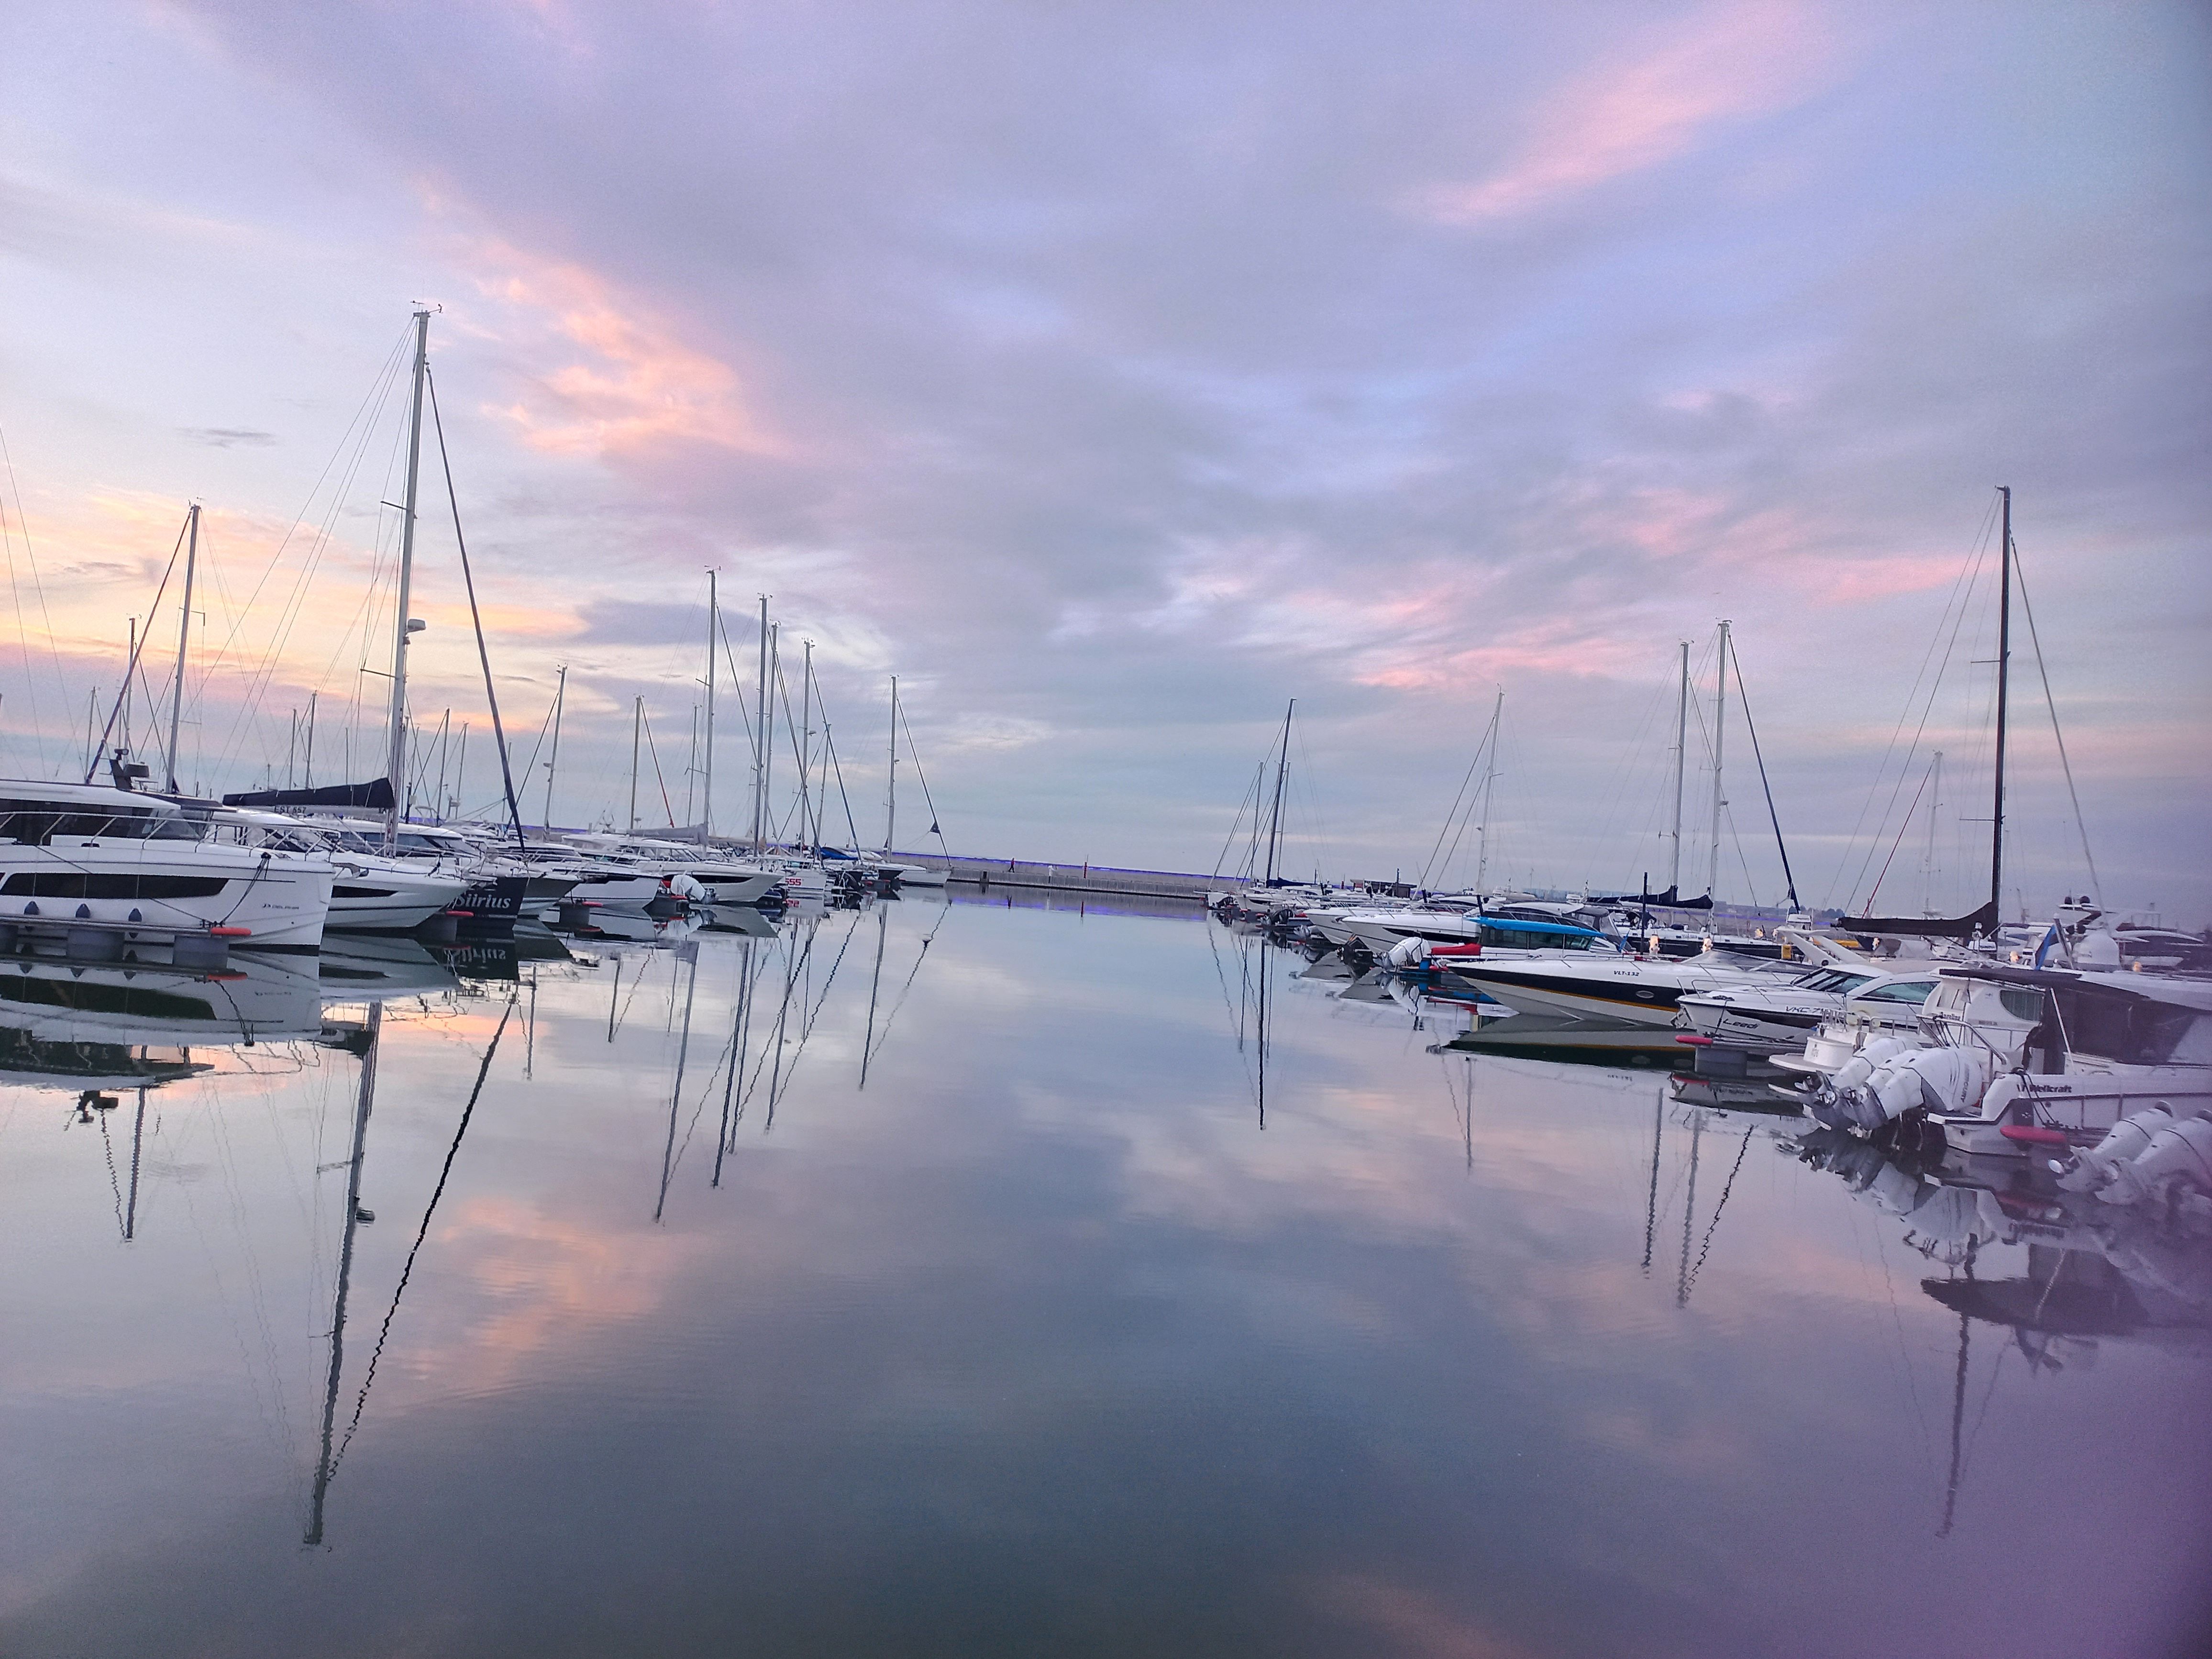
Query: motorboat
{"type": "Point", "coordinates": [1757, 1019]}
{"type": "Point", "coordinates": [1615, 987]}
{"type": "Point", "coordinates": [2009, 1061]}
{"type": "Point", "coordinates": [370, 893]}
{"type": "Point", "coordinates": [138, 868]}
{"type": "Point", "coordinates": [722, 880]}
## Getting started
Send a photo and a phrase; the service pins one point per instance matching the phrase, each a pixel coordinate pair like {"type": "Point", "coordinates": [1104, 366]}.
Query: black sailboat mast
{"type": "Point", "coordinates": [1275, 812]}
{"type": "Point", "coordinates": [2004, 665]}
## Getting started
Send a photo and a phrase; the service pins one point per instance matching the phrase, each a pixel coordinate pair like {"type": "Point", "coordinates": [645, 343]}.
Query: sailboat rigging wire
{"type": "Point", "coordinates": [132, 667]}
{"type": "Point", "coordinates": [1954, 614]}
{"type": "Point", "coordinates": [38, 587]}
{"type": "Point", "coordinates": [2080, 824]}
{"type": "Point", "coordinates": [829, 748]}
{"type": "Point", "coordinates": [1903, 825]}
{"type": "Point", "coordinates": [922, 778]}
{"type": "Point", "coordinates": [1743, 701]}
{"type": "Point", "coordinates": [1451, 813]}
{"type": "Point", "coordinates": [476, 616]}
{"type": "Point", "coordinates": [363, 421]}
{"type": "Point", "coordinates": [1235, 823]}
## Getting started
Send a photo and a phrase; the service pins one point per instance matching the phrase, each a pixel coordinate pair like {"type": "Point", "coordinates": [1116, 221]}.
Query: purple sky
{"type": "Point", "coordinates": [1113, 373]}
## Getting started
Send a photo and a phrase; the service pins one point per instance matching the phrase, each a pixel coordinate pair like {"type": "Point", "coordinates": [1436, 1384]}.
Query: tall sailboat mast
{"type": "Point", "coordinates": [891, 790]}
{"type": "Point", "coordinates": [1489, 778]}
{"type": "Point", "coordinates": [553, 761]}
{"type": "Point", "coordinates": [714, 616]}
{"type": "Point", "coordinates": [2004, 665]}
{"type": "Point", "coordinates": [403, 624]}
{"type": "Point", "coordinates": [1720, 801]}
{"type": "Point", "coordinates": [809, 831]}
{"type": "Point", "coordinates": [760, 741]}
{"type": "Point", "coordinates": [1681, 756]}
{"type": "Point", "coordinates": [636, 730]}
{"type": "Point", "coordinates": [184, 639]}
{"type": "Point", "coordinates": [1275, 812]}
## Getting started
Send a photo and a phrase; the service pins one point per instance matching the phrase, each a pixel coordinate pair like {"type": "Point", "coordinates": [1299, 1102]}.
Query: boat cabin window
{"type": "Point", "coordinates": [2021, 1001]}
{"type": "Point", "coordinates": [2131, 1029]}
{"type": "Point", "coordinates": [1832, 979]}
{"type": "Point", "coordinates": [1912, 990]}
{"type": "Point", "coordinates": [33, 822]}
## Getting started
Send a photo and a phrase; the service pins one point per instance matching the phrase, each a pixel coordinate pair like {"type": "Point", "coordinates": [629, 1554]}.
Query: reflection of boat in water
{"type": "Point", "coordinates": [258, 999]}
{"type": "Point", "coordinates": [356, 966]}
{"type": "Point", "coordinates": [499, 956]}
{"type": "Point", "coordinates": [1577, 1042]}
{"type": "Point", "coordinates": [744, 919]}
{"type": "Point", "coordinates": [80, 1065]}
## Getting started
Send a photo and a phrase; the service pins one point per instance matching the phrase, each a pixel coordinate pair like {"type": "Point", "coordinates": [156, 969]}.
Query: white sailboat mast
{"type": "Point", "coordinates": [890, 792]}
{"type": "Point", "coordinates": [184, 639]}
{"type": "Point", "coordinates": [714, 616]}
{"type": "Point", "coordinates": [1720, 801]}
{"type": "Point", "coordinates": [403, 624]}
{"type": "Point", "coordinates": [1682, 755]}
{"type": "Point", "coordinates": [760, 741]}
{"type": "Point", "coordinates": [1489, 778]}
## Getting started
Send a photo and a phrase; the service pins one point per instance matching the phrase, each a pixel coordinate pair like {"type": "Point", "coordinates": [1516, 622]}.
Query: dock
{"type": "Point", "coordinates": [1105, 880]}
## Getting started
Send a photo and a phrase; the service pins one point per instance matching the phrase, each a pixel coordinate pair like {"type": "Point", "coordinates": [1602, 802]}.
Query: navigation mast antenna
{"type": "Point", "coordinates": [403, 625]}
{"type": "Point", "coordinates": [707, 810]}
{"type": "Point", "coordinates": [184, 638]}
{"type": "Point", "coordinates": [1682, 754]}
{"type": "Point", "coordinates": [2004, 667]}
{"type": "Point", "coordinates": [890, 792]}
{"type": "Point", "coordinates": [1275, 812]}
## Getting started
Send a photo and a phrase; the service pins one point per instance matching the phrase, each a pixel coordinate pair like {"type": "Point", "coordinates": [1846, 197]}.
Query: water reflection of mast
{"type": "Point", "coordinates": [689, 950]}
{"type": "Point", "coordinates": [1689, 1212]}
{"type": "Point", "coordinates": [740, 1044]}
{"type": "Point", "coordinates": [1958, 1420]}
{"type": "Point", "coordinates": [1651, 1203]}
{"type": "Point", "coordinates": [138, 1141]}
{"type": "Point", "coordinates": [875, 984]}
{"type": "Point", "coordinates": [364, 1098]}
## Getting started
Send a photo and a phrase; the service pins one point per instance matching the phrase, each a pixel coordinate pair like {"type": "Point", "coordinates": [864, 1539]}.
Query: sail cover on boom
{"type": "Point", "coordinates": [1984, 921]}
{"type": "Point", "coordinates": [375, 795]}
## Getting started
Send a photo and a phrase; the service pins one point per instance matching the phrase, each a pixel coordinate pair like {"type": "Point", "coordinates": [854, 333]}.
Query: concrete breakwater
{"type": "Point", "coordinates": [1078, 878]}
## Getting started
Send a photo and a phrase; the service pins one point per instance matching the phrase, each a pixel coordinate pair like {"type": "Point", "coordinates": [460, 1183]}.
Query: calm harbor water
{"type": "Point", "coordinates": [1008, 1295]}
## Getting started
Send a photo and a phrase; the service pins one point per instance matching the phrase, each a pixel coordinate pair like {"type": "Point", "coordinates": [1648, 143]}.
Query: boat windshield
{"type": "Point", "coordinates": [32, 823]}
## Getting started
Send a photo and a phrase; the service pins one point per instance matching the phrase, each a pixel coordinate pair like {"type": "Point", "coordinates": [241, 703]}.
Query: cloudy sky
{"type": "Point", "coordinates": [1113, 373]}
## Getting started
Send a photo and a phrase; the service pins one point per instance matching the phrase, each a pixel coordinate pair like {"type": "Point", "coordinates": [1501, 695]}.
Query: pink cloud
{"type": "Point", "coordinates": [638, 385]}
{"type": "Point", "coordinates": [1734, 61]}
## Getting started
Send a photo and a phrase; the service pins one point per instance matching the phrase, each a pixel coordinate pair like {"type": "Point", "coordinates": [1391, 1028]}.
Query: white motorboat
{"type": "Point", "coordinates": [1389, 933]}
{"type": "Point", "coordinates": [137, 865]}
{"type": "Point", "coordinates": [1771, 1019]}
{"type": "Point", "coordinates": [1620, 988]}
{"type": "Point", "coordinates": [2007, 1060]}
{"type": "Point", "coordinates": [721, 880]}
{"type": "Point", "coordinates": [370, 893]}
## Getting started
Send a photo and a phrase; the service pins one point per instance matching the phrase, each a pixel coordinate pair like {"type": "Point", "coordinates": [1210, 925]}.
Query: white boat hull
{"type": "Point", "coordinates": [278, 901]}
